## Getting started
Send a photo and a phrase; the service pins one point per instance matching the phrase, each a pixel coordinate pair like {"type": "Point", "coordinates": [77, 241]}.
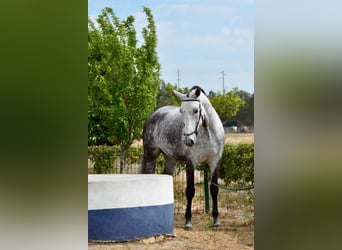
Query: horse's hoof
{"type": "Point", "coordinates": [188, 226]}
{"type": "Point", "coordinates": [216, 223]}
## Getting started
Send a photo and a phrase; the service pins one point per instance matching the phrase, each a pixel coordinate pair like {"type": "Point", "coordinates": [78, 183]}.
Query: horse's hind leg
{"type": "Point", "coordinates": [148, 165]}
{"type": "Point", "coordinates": [170, 165]}
{"type": "Point", "coordinates": [214, 192]}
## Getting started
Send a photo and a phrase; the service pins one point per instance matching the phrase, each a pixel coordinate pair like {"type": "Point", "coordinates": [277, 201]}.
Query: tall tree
{"type": "Point", "coordinates": [245, 115]}
{"type": "Point", "coordinates": [226, 104]}
{"type": "Point", "coordinates": [166, 95]}
{"type": "Point", "coordinates": [123, 79]}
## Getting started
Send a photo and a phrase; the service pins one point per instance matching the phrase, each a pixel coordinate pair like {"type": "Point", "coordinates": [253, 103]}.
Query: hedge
{"type": "Point", "coordinates": [104, 158]}
{"type": "Point", "coordinates": [237, 163]}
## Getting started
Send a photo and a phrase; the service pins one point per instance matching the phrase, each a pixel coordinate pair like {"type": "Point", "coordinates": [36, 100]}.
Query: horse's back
{"type": "Point", "coordinates": [159, 116]}
{"type": "Point", "coordinates": [161, 122]}
{"type": "Point", "coordinates": [163, 130]}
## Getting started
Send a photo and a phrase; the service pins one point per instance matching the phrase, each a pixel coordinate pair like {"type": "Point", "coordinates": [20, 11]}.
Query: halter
{"type": "Point", "coordinates": [199, 117]}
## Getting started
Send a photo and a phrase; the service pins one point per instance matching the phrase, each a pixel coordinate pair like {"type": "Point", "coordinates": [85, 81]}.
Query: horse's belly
{"type": "Point", "coordinates": [177, 152]}
{"type": "Point", "coordinates": [196, 154]}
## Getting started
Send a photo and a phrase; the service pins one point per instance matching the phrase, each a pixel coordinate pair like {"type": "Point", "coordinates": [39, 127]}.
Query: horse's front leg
{"type": "Point", "coordinates": [190, 192]}
{"type": "Point", "coordinates": [214, 192]}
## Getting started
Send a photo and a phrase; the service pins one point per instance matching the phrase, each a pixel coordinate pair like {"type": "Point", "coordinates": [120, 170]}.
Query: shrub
{"type": "Point", "coordinates": [237, 164]}
{"type": "Point", "coordinates": [106, 158]}
{"type": "Point", "coordinates": [103, 157]}
{"type": "Point", "coordinates": [237, 161]}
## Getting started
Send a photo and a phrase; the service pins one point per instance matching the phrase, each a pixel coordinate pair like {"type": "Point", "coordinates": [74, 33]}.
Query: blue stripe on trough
{"type": "Point", "coordinates": [123, 224]}
{"type": "Point", "coordinates": [127, 207]}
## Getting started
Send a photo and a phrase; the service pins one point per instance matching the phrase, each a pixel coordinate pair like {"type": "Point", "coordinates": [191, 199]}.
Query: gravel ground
{"type": "Point", "coordinates": [236, 232]}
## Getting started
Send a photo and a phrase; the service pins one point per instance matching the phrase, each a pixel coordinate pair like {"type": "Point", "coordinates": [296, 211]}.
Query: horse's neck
{"type": "Point", "coordinates": [209, 109]}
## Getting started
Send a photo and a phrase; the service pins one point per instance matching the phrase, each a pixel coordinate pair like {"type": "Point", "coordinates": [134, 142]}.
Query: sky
{"type": "Point", "coordinates": [200, 39]}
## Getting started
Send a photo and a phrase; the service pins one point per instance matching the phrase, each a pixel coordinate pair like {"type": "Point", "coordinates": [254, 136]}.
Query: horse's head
{"type": "Point", "coordinates": [193, 114]}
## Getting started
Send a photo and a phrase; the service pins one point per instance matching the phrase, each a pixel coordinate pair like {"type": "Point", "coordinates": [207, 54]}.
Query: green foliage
{"type": "Point", "coordinates": [237, 164]}
{"type": "Point", "coordinates": [226, 104]}
{"type": "Point", "coordinates": [123, 78]}
{"type": "Point", "coordinates": [166, 95]}
{"type": "Point", "coordinates": [103, 158]}
{"type": "Point", "coordinates": [245, 115]}
{"type": "Point", "coordinates": [160, 165]}
{"type": "Point", "coordinates": [134, 155]}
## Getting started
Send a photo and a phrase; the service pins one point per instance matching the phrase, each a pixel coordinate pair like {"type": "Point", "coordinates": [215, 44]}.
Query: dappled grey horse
{"type": "Point", "coordinates": [192, 133]}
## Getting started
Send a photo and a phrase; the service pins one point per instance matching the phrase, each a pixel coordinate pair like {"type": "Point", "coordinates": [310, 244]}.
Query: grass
{"type": "Point", "coordinates": [237, 138]}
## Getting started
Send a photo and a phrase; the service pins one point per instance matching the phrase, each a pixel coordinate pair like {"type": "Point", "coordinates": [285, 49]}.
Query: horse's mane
{"type": "Point", "coordinates": [197, 87]}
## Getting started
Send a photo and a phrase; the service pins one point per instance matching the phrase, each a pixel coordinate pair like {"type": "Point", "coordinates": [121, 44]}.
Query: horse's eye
{"type": "Point", "coordinates": [181, 111]}
{"type": "Point", "coordinates": [195, 111]}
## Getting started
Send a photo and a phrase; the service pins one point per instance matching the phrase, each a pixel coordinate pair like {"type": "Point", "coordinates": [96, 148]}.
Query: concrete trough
{"type": "Point", "coordinates": [125, 207]}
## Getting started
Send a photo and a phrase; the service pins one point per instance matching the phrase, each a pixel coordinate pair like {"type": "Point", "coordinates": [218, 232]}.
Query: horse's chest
{"type": "Point", "coordinates": [203, 153]}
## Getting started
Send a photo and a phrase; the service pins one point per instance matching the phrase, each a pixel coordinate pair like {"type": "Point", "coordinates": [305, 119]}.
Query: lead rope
{"type": "Point", "coordinates": [233, 189]}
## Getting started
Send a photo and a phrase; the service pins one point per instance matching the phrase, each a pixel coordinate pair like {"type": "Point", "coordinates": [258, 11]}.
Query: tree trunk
{"type": "Point", "coordinates": [123, 157]}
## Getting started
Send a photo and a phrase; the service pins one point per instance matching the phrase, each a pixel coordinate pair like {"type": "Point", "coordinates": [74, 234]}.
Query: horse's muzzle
{"type": "Point", "coordinates": [188, 141]}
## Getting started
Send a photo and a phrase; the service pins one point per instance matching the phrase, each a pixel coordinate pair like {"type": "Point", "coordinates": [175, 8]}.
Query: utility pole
{"type": "Point", "coordinates": [178, 78]}
{"type": "Point", "coordinates": [223, 74]}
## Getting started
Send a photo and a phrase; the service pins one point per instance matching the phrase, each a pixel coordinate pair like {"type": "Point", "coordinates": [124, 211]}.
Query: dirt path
{"type": "Point", "coordinates": [235, 233]}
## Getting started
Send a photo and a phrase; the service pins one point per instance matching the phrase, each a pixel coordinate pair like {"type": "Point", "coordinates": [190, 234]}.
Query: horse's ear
{"type": "Point", "coordinates": [179, 95]}
{"type": "Point", "coordinates": [198, 92]}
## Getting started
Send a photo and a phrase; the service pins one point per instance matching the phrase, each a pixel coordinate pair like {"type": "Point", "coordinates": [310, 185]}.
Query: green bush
{"type": "Point", "coordinates": [237, 161]}
{"type": "Point", "coordinates": [106, 158]}
{"type": "Point", "coordinates": [134, 155]}
{"type": "Point", "coordinates": [103, 157]}
{"type": "Point", "coordinates": [237, 164]}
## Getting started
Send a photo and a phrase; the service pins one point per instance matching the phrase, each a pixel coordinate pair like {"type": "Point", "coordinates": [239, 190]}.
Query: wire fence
{"type": "Point", "coordinates": [179, 184]}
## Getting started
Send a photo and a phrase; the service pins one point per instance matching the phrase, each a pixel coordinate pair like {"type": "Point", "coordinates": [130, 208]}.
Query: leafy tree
{"type": "Point", "coordinates": [123, 80]}
{"type": "Point", "coordinates": [226, 104]}
{"type": "Point", "coordinates": [245, 115]}
{"type": "Point", "coordinates": [166, 95]}
{"type": "Point", "coordinates": [211, 94]}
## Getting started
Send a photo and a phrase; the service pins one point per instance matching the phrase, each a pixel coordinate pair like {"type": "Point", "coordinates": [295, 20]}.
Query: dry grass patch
{"type": "Point", "coordinates": [237, 138]}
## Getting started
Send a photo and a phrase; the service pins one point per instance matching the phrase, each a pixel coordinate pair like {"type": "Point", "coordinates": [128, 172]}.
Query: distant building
{"type": "Point", "coordinates": [237, 127]}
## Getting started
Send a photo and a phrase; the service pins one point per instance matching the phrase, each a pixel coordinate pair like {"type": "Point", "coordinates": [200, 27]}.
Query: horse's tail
{"type": "Point", "coordinates": [149, 160]}
{"type": "Point", "coordinates": [150, 152]}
